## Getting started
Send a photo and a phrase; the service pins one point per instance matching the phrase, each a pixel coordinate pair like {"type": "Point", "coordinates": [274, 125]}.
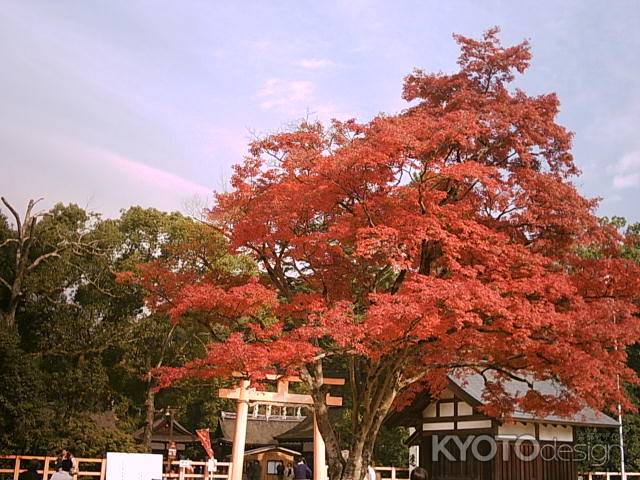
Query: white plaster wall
{"type": "Point", "coordinates": [560, 433]}
{"type": "Point", "coordinates": [464, 409]}
{"type": "Point", "coordinates": [469, 424]}
{"type": "Point", "coordinates": [446, 409]}
{"type": "Point", "coordinates": [516, 430]}
{"type": "Point", "coordinates": [428, 427]}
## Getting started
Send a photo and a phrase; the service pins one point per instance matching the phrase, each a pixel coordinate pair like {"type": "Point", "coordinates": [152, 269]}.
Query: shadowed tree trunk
{"type": "Point", "coordinates": [370, 408]}
{"type": "Point", "coordinates": [150, 405]}
{"type": "Point", "coordinates": [150, 409]}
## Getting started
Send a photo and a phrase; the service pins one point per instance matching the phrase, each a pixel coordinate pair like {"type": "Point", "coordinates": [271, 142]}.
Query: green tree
{"type": "Point", "coordinates": [77, 356]}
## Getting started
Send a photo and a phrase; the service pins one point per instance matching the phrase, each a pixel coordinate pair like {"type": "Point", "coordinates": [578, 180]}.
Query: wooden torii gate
{"type": "Point", "coordinates": [243, 395]}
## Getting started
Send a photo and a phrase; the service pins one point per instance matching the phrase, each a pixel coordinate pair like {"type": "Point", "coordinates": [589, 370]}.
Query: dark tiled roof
{"type": "Point", "coordinates": [473, 384]}
{"type": "Point", "coordinates": [160, 431]}
{"type": "Point", "coordinates": [260, 430]}
{"type": "Point", "coordinates": [303, 431]}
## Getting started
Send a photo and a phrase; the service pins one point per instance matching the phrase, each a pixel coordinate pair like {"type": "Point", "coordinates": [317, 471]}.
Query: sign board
{"type": "Point", "coordinates": [171, 450]}
{"type": "Point", "coordinates": [133, 466]}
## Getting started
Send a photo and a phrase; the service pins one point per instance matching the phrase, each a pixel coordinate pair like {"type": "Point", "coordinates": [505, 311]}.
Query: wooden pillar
{"type": "Point", "coordinates": [16, 470]}
{"type": "Point", "coordinates": [319, 454]}
{"type": "Point", "coordinates": [103, 469]}
{"type": "Point", "coordinates": [45, 469]}
{"type": "Point", "coordinates": [242, 412]}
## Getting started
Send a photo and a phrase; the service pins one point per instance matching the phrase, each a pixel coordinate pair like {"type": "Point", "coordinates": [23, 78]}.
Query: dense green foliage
{"type": "Point", "coordinates": [74, 368]}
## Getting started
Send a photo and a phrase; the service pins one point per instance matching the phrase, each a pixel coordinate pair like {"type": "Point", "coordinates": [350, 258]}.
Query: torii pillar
{"type": "Point", "coordinates": [319, 453]}
{"type": "Point", "coordinates": [240, 436]}
{"type": "Point", "coordinates": [243, 395]}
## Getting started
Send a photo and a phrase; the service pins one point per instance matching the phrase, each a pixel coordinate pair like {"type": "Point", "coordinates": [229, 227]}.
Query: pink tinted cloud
{"type": "Point", "coordinates": [161, 179]}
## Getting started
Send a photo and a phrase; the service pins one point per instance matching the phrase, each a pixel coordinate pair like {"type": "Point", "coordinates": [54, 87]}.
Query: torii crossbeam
{"type": "Point", "coordinates": [243, 395]}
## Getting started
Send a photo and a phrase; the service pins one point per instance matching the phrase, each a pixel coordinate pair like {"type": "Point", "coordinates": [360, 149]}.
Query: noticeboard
{"type": "Point", "coordinates": [134, 466]}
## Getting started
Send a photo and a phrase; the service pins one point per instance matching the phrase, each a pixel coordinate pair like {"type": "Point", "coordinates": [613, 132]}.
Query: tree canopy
{"type": "Point", "coordinates": [445, 236]}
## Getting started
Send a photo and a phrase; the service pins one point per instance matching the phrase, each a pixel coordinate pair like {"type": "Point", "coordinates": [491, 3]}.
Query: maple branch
{"type": "Point", "coordinates": [502, 370]}
{"type": "Point", "coordinates": [398, 281]}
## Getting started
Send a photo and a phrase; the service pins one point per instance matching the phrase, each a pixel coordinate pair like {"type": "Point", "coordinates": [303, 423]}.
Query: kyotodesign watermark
{"type": "Point", "coordinates": [523, 447]}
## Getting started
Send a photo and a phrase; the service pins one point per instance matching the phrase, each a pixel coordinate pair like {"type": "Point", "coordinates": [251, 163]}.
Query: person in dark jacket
{"type": "Point", "coordinates": [31, 473]}
{"type": "Point", "coordinates": [255, 470]}
{"type": "Point", "coordinates": [301, 471]}
{"type": "Point", "coordinates": [419, 473]}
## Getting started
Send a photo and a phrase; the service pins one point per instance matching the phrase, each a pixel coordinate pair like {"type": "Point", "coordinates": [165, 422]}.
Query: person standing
{"type": "Point", "coordinates": [419, 473]}
{"type": "Point", "coordinates": [288, 473]}
{"type": "Point", "coordinates": [31, 473]}
{"type": "Point", "coordinates": [67, 455]}
{"type": "Point", "coordinates": [301, 471]}
{"type": "Point", "coordinates": [255, 470]}
{"type": "Point", "coordinates": [371, 472]}
{"type": "Point", "coordinates": [64, 471]}
{"type": "Point", "coordinates": [74, 463]}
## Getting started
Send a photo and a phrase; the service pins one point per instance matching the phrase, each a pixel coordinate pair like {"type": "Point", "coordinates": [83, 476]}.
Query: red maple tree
{"type": "Point", "coordinates": [446, 236]}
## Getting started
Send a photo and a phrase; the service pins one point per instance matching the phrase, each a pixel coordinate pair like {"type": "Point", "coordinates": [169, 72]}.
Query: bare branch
{"type": "Point", "coordinates": [41, 259]}
{"type": "Point", "coordinates": [13, 212]}
{"type": "Point", "coordinates": [8, 241]}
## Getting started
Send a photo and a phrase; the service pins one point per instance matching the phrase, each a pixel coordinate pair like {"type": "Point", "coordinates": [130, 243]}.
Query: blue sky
{"type": "Point", "coordinates": [113, 103]}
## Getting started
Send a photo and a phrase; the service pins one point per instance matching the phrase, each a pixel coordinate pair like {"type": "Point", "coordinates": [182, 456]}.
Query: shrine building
{"type": "Point", "coordinates": [453, 440]}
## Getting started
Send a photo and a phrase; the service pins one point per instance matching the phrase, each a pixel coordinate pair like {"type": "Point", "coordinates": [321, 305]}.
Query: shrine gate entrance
{"type": "Point", "coordinates": [282, 397]}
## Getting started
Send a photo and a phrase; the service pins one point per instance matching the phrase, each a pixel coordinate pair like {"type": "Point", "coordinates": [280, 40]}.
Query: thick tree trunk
{"type": "Point", "coordinates": [380, 389]}
{"type": "Point", "coordinates": [150, 408]}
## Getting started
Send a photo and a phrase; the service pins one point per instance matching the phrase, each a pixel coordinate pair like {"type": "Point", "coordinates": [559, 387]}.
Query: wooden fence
{"type": "Point", "coordinates": [606, 475]}
{"type": "Point", "coordinates": [95, 468]}
{"type": "Point", "coordinates": [223, 471]}
{"type": "Point", "coordinates": [391, 473]}
{"type": "Point", "coordinates": [12, 465]}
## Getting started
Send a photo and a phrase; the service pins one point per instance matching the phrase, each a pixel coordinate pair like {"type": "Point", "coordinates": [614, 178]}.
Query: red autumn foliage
{"type": "Point", "coordinates": [444, 236]}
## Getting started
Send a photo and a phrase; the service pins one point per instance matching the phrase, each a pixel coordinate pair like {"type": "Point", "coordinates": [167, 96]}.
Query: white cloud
{"type": "Point", "coordinates": [626, 181]}
{"type": "Point", "coordinates": [297, 98]}
{"type": "Point", "coordinates": [315, 63]}
{"type": "Point", "coordinates": [287, 95]}
{"type": "Point", "coordinates": [627, 171]}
